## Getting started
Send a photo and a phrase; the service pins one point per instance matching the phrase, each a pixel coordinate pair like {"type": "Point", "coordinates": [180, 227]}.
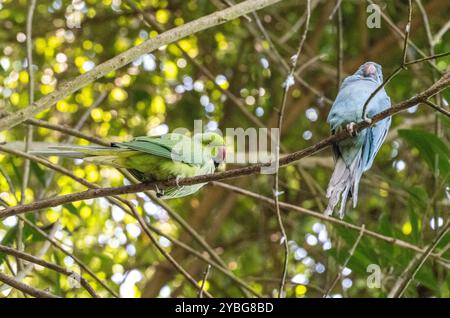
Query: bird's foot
{"type": "Point", "coordinates": [159, 192]}
{"type": "Point", "coordinates": [368, 120]}
{"type": "Point", "coordinates": [351, 129]}
{"type": "Point", "coordinates": [177, 181]}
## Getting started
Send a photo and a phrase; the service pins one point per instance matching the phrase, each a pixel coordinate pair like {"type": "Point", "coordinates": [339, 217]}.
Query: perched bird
{"type": "Point", "coordinates": [355, 155]}
{"type": "Point", "coordinates": [155, 158]}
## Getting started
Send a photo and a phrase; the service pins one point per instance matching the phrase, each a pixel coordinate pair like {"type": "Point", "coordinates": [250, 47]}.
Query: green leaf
{"type": "Point", "coordinates": [71, 208]}
{"type": "Point", "coordinates": [29, 233]}
{"type": "Point", "coordinates": [39, 173]}
{"type": "Point", "coordinates": [17, 174]}
{"type": "Point", "coordinates": [432, 149]}
{"type": "Point", "coordinates": [7, 240]}
{"type": "Point", "coordinates": [426, 277]}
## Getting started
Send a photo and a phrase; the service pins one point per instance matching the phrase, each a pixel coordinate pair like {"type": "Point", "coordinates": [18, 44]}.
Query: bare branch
{"type": "Point", "coordinates": [130, 55]}
{"type": "Point", "coordinates": [27, 289]}
{"type": "Point", "coordinates": [329, 219]}
{"type": "Point", "coordinates": [205, 278]}
{"type": "Point", "coordinates": [416, 264]}
{"type": "Point", "coordinates": [35, 260]}
{"type": "Point", "coordinates": [287, 85]}
{"type": "Point", "coordinates": [29, 129]}
{"type": "Point", "coordinates": [350, 254]}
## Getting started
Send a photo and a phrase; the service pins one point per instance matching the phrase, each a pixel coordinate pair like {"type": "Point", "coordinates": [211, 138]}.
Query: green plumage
{"type": "Point", "coordinates": [153, 158]}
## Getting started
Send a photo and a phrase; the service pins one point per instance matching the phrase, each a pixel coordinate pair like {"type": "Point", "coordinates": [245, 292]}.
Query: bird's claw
{"type": "Point", "coordinates": [368, 120]}
{"type": "Point", "coordinates": [177, 181]}
{"type": "Point", "coordinates": [351, 129]}
{"type": "Point", "coordinates": [159, 192]}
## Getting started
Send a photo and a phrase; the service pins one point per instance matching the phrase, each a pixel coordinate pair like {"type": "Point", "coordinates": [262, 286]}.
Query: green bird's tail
{"type": "Point", "coordinates": [112, 156]}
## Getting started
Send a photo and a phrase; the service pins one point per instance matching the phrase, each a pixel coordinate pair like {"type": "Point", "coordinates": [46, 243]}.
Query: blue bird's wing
{"type": "Point", "coordinates": [376, 134]}
{"type": "Point", "coordinates": [347, 108]}
{"type": "Point", "coordinates": [374, 138]}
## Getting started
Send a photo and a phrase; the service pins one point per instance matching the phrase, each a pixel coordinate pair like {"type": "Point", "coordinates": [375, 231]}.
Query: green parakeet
{"type": "Point", "coordinates": [155, 158]}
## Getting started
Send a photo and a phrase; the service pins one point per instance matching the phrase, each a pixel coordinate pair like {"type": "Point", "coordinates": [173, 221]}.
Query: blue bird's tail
{"type": "Point", "coordinates": [343, 182]}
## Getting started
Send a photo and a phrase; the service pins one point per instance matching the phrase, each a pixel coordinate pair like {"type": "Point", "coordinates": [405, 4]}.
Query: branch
{"type": "Point", "coordinates": [29, 129]}
{"type": "Point", "coordinates": [27, 289]}
{"type": "Point", "coordinates": [287, 85]}
{"type": "Point", "coordinates": [441, 84]}
{"type": "Point", "coordinates": [35, 260]}
{"type": "Point", "coordinates": [329, 219]}
{"type": "Point", "coordinates": [416, 264]}
{"type": "Point", "coordinates": [134, 213]}
{"type": "Point", "coordinates": [130, 55]}
{"type": "Point", "coordinates": [437, 108]}
{"type": "Point", "coordinates": [402, 35]}
{"type": "Point", "coordinates": [76, 259]}
{"type": "Point", "coordinates": [205, 278]}
{"type": "Point", "coordinates": [398, 69]}
{"type": "Point", "coordinates": [350, 254]}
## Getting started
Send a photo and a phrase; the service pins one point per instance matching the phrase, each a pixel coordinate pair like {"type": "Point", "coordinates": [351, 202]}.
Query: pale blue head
{"type": "Point", "coordinates": [369, 71]}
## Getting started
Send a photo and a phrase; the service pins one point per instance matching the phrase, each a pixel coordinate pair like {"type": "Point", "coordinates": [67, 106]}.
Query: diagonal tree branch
{"type": "Point", "coordinates": [416, 264]}
{"type": "Point", "coordinates": [36, 260]}
{"type": "Point", "coordinates": [287, 83]}
{"type": "Point", "coordinates": [27, 289]}
{"type": "Point", "coordinates": [329, 219]}
{"type": "Point", "coordinates": [130, 55]}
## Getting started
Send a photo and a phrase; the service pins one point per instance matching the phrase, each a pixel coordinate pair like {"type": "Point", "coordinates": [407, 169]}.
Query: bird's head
{"type": "Point", "coordinates": [371, 71]}
{"type": "Point", "coordinates": [216, 144]}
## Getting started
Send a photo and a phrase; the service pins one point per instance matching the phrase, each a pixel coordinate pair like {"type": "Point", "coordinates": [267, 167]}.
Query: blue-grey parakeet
{"type": "Point", "coordinates": [355, 155]}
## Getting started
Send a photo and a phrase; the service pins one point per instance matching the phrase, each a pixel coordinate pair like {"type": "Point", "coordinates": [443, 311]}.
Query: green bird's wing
{"type": "Point", "coordinates": [171, 146]}
{"type": "Point", "coordinates": [182, 191]}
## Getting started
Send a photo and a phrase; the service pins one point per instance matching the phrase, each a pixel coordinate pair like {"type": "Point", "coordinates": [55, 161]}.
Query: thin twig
{"type": "Point", "coordinates": [416, 264]}
{"type": "Point", "coordinates": [41, 252]}
{"type": "Point", "coordinates": [91, 185]}
{"type": "Point", "coordinates": [403, 35]}
{"type": "Point", "coordinates": [27, 289]}
{"type": "Point", "coordinates": [398, 69]}
{"type": "Point", "coordinates": [205, 278]}
{"type": "Point", "coordinates": [437, 108]}
{"type": "Point", "coordinates": [132, 54]}
{"type": "Point", "coordinates": [426, 58]}
{"type": "Point", "coordinates": [344, 265]}
{"type": "Point", "coordinates": [35, 260]}
{"type": "Point", "coordinates": [76, 259]}
{"type": "Point", "coordinates": [322, 217]}
{"type": "Point", "coordinates": [407, 32]}
{"type": "Point", "coordinates": [288, 84]}
{"type": "Point", "coordinates": [167, 255]}
{"type": "Point", "coordinates": [336, 8]}
{"type": "Point", "coordinates": [339, 45]}
{"type": "Point", "coordinates": [438, 36]}
{"type": "Point", "coordinates": [29, 129]}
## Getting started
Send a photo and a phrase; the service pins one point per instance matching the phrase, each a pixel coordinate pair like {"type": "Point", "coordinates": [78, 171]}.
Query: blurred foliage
{"type": "Point", "coordinates": [405, 195]}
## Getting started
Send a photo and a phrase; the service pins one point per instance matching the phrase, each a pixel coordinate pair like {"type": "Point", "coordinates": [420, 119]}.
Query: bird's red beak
{"type": "Point", "coordinates": [370, 70]}
{"type": "Point", "coordinates": [221, 154]}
